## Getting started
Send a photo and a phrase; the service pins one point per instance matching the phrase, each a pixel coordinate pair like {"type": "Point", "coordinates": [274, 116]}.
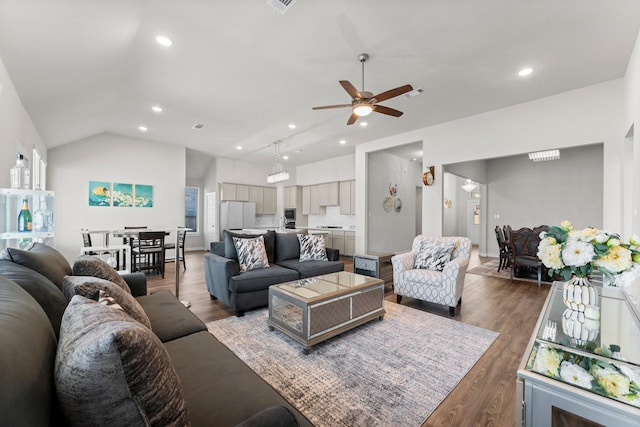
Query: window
{"type": "Point", "coordinates": [191, 208]}
{"type": "Point", "coordinates": [39, 171]}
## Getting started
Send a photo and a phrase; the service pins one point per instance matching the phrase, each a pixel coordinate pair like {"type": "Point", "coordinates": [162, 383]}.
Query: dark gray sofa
{"type": "Point", "coordinates": [248, 290]}
{"type": "Point", "coordinates": [218, 388]}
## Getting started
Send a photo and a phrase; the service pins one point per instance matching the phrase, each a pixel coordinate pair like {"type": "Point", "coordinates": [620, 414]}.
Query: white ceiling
{"type": "Point", "coordinates": [83, 67]}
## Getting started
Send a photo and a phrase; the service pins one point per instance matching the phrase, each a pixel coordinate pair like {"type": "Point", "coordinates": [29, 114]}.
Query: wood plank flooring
{"type": "Point", "coordinates": [486, 395]}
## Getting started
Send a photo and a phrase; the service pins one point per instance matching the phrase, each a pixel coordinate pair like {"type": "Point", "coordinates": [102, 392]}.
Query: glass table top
{"type": "Point", "coordinates": [325, 285]}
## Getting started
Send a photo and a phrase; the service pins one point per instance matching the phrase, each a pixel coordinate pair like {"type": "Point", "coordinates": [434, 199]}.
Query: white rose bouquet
{"type": "Point", "coordinates": [570, 252]}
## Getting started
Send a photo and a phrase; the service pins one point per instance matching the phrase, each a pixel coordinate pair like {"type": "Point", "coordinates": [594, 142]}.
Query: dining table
{"type": "Point", "coordinates": [129, 236]}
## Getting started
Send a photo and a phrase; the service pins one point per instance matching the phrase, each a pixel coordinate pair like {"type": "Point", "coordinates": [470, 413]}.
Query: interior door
{"type": "Point", "coordinates": [210, 220]}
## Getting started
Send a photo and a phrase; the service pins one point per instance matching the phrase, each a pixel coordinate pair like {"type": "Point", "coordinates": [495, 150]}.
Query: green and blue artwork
{"type": "Point", "coordinates": [99, 193]}
{"type": "Point", "coordinates": [122, 194]}
{"type": "Point", "coordinates": [143, 196]}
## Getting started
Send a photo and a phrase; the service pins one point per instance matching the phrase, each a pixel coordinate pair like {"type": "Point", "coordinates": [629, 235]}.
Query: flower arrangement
{"type": "Point", "coordinates": [570, 252]}
{"type": "Point", "coordinates": [614, 380]}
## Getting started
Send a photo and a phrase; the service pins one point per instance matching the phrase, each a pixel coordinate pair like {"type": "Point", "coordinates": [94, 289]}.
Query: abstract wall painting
{"type": "Point", "coordinates": [122, 194]}
{"type": "Point", "coordinates": [102, 193]}
{"type": "Point", "coordinates": [143, 196]}
{"type": "Point", "coordinates": [99, 193]}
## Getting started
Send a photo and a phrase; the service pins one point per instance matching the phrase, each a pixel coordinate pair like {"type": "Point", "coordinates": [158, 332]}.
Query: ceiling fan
{"type": "Point", "coordinates": [363, 102]}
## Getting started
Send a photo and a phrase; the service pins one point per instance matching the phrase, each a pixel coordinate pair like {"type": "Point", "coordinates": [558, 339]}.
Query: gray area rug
{"type": "Point", "coordinates": [393, 372]}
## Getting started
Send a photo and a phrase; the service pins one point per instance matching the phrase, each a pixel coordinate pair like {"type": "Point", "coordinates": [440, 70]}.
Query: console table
{"type": "Point", "coordinates": [556, 385]}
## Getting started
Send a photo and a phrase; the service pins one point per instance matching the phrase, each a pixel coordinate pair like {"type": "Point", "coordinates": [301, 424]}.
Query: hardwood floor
{"type": "Point", "coordinates": [486, 395]}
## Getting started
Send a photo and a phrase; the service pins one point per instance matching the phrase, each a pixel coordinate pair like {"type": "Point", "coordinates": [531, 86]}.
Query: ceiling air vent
{"type": "Point", "coordinates": [415, 92]}
{"type": "Point", "coordinates": [198, 126]}
{"type": "Point", "coordinates": [281, 6]}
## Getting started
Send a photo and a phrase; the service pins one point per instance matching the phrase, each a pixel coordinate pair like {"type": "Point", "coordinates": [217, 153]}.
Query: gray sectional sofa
{"type": "Point", "coordinates": [248, 290]}
{"type": "Point", "coordinates": [212, 385]}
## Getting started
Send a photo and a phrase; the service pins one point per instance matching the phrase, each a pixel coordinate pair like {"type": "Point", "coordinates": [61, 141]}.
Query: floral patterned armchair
{"type": "Point", "coordinates": [440, 287]}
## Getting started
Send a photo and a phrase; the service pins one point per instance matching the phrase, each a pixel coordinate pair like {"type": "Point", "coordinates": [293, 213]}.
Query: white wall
{"type": "Point", "coordinates": [17, 132]}
{"type": "Point", "coordinates": [391, 231]}
{"type": "Point", "coordinates": [114, 158]}
{"type": "Point", "coordinates": [337, 169]}
{"type": "Point", "coordinates": [585, 116]}
{"type": "Point", "coordinates": [632, 120]}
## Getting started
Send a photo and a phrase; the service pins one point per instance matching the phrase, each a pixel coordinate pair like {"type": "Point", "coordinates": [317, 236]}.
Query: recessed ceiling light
{"type": "Point", "coordinates": [238, 147]}
{"type": "Point", "coordinates": [342, 141]}
{"type": "Point", "coordinates": [364, 124]}
{"type": "Point", "coordinates": [292, 125]}
{"type": "Point", "coordinates": [143, 128]}
{"type": "Point", "coordinates": [285, 157]}
{"type": "Point", "coordinates": [157, 108]}
{"type": "Point", "coordinates": [525, 72]}
{"type": "Point", "coordinates": [164, 40]}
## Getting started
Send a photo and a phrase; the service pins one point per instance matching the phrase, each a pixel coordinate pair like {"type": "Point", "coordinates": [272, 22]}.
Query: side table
{"type": "Point", "coordinates": [375, 264]}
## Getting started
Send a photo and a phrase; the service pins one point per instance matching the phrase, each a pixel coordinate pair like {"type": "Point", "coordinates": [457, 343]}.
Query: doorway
{"type": "Point", "coordinates": [210, 234]}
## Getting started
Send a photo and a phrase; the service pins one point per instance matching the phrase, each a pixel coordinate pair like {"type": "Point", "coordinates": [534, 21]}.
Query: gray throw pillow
{"type": "Point", "coordinates": [90, 287]}
{"type": "Point", "coordinates": [112, 371]}
{"type": "Point", "coordinates": [312, 247]}
{"type": "Point", "coordinates": [87, 265]}
{"type": "Point", "coordinates": [41, 258]}
{"type": "Point", "coordinates": [251, 253]}
{"type": "Point", "coordinates": [434, 255]}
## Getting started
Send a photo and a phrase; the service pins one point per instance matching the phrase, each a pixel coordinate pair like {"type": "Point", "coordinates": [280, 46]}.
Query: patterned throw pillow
{"type": "Point", "coordinates": [87, 265]}
{"type": "Point", "coordinates": [434, 256]}
{"type": "Point", "coordinates": [90, 287]}
{"type": "Point", "coordinates": [312, 247]}
{"type": "Point", "coordinates": [111, 370]}
{"type": "Point", "coordinates": [251, 253]}
{"type": "Point", "coordinates": [106, 299]}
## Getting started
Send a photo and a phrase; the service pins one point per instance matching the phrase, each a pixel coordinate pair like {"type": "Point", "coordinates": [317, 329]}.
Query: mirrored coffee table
{"type": "Point", "coordinates": [315, 309]}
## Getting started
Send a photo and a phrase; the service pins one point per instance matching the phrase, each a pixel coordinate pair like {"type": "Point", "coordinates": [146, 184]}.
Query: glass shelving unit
{"type": "Point", "coordinates": [10, 206]}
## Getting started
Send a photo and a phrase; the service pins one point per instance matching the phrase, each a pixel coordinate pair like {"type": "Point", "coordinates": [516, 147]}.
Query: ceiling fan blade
{"type": "Point", "coordinates": [393, 93]}
{"type": "Point", "coordinates": [386, 110]}
{"type": "Point", "coordinates": [351, 90]}
{"type": "Point", "coordinates": [352, 118]}
{"type": "Point", "coordinates": [325, 107]}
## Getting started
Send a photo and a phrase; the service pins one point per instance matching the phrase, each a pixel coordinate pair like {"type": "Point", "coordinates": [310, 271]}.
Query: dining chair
{"type": "Point", "coordinates": [503, 248]}
{"type": "Point", "coordinates": [179, 253]}
{"type": "Point", "coordinates": [149, 252]}
{"type": "Point", "coordinates": [86, 241]}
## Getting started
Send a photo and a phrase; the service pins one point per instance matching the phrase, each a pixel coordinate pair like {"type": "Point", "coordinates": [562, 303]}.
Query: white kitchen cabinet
{"type": "Point", "coordinates": [349, 243]}
{"type": "Point", "coordinates": [242, 193]}
{"type": "Point", "coordinates": [329, 193]}
{"type": "Point", "coordinates": [338, 241]}
{"type": "Point", "coordinates": [290, 196]}
{"type": "Point", "coordinates": [306, 200]}
{"type": "Point", "coordinates": [228, 192]}
{"type": "Point", "coordinates": [270, 201]}
{"type": "Point", "coordinates": [348, 197]}
{"type": "Point", "coordinates": [315, 200]}
{"type": "Point", "coordinates": [256, 195]}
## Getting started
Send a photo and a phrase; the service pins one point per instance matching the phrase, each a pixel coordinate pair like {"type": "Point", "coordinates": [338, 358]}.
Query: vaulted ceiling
{"type": "Point", "coordinates": [245, 71]}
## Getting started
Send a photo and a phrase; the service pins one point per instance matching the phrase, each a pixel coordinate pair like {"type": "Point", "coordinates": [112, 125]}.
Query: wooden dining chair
{"type": "Point", "coordinates": [149, 252]}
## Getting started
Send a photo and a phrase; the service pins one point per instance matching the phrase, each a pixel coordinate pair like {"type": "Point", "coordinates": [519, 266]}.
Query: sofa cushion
{"type": "Point", "coordinates": [230, 248]}
{"type": "Point", "coordinates": [27, 352]}
{"type": "Point", "coordinates": [87, 265]}
{"type": "Point", "coordinates": [40, 288]}
{"type": "Point", "coordinates": [312, 268]}
{"type": "Point", "coordinates": [90, 287]}
{"type": "Point", "coordinates": [434, 255]}
{"type": "Point", "coordinates": [41, 258]}
{"type": "Point", "coordinates": [256, 280]}
{"type": "Point", "coordinates": [287, 247]}
{"type": "Point", "coordinates": [312, 247]}
{"type": "Point", "coordinates": [98, 343]}
{"type": "Point", "coordinates": [220, 383]}
{"type": "Point", "coordinates": [251, 253]}
{"type": "Point", "coordinates": [169, 318]}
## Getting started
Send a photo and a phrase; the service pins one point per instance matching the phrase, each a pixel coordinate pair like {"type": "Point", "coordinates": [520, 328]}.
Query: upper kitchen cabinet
{"type": "Point", "coordinates": [329, 194]}
{"type": "Point", "coordinates": [265, 198]}
{"type": "Point", "coordinates": [348, 197]}
{"type": "Point", "coordinates": [228, 192]}
{"type": "Point", "coordinates": [291, 196]}
{"type": "Point", "coordinates": [256, 195]}
{"type": "Point", "coordinates": [242, 193]}
{"type": "Point", "coordinates": [270, 200]}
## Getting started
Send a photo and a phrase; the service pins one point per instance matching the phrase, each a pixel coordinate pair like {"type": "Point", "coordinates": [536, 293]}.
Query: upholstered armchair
{"type": "Point", "coordinates": [440, 287]}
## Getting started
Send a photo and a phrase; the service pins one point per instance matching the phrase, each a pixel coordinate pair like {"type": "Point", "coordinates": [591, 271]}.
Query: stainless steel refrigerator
{"type": "Point", "coordinates": [237, 215]}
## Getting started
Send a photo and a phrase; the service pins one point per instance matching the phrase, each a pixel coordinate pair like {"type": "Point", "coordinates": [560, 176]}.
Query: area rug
{"type": "Point", "coordinates": [393, 372]}
{"type": "Point", "coordinates": [490, 268]}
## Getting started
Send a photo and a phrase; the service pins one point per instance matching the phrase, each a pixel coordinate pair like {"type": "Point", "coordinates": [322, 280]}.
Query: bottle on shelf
{"type": "Point", "coordinates": [43, 218]}
{"type": "Point", "coordinates": [20, 174]}
{"type": "Point", "coordinates": [24, 217]}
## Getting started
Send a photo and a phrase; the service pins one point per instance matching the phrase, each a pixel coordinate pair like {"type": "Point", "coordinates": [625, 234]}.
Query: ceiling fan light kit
{"type": "Point", "coordinates": [364, 102]}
